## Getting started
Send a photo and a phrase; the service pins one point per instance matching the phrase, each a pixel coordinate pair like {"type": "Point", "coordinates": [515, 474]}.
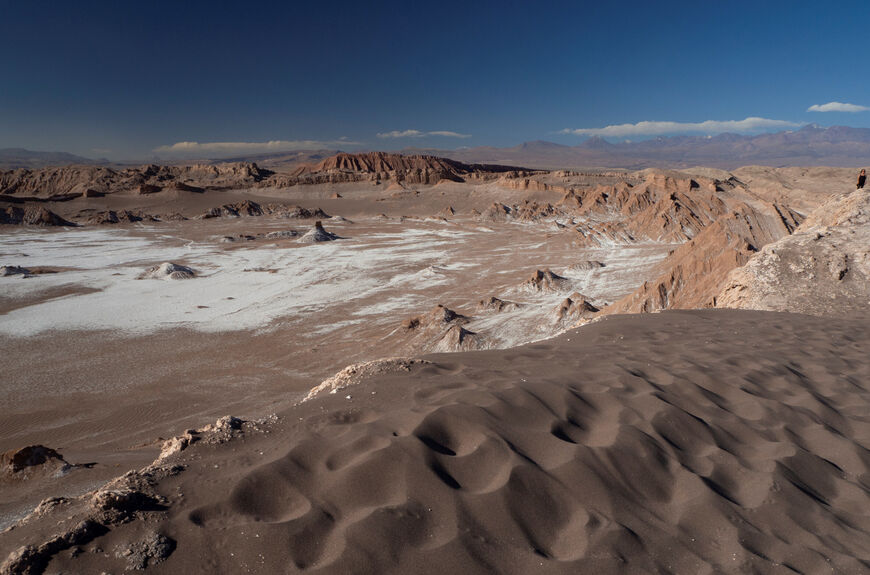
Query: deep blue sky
{"type": "Point", "coordinates": [121, 79]}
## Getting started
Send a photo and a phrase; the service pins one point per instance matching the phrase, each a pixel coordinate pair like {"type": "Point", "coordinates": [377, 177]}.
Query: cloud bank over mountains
{"type": "Point", "coordinates": [421, 134]}
{"type": "Point", "coordinates": [653, 128]}
{"type": "Point", "coordinates": [218, 149]}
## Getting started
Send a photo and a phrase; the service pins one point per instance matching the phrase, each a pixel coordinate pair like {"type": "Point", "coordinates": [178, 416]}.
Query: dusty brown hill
{"type": "Point", "coordinates": [574, 308]}
{"type": "Point", "coordinates": [438, 330]}
{"type": "Point", "coordinates": [58, 184]}
{"type": "Point", "coordinates": [32, 216]}
{"type": "Point", "coordinates": [494, 304]}
{"type": "Point", "coordinates": [377, 166]}
{"type": "Point", "coordinates": [544, 281]}
{"type": "Point", "coordinates": [113, 217]}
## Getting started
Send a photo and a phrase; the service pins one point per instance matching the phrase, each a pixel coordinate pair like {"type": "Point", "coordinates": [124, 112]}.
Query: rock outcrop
{"type": "Point", "coordinates": [249, 208]}
{"type": "Point", "coordinates": [822, 269]}
{"type": "Point", "coordinates": [654, 205]}
{"type": "Point", "coordinates": [32, 457]}
{"type": "Point", "coordinates": [113, 217]}
{"type": "Point", "coordinates": [168, 271]}
{"type": "Point", "coordinates": [297, 212]}
{"type": "Point", "coordinates": [357, 373]}
{"type": "Point", "coordinates": [281, 235]}
{"type": "Point", "coordinates": [496, 213]}
{"type": "Point", "coordinates": [440, 330]}
{"type": "Point", "coordinates": [317, 235]}
{"type": "Point", "coordinates": [664, 207]}
{"type": "Point", "coordinates": [573, 309]}
{"type": "Point", "coordinates": [494, 304]}
{"type": "Point", "coordinates": [545, 281]}
{"type": "Point", "coordinates": [244, 208]}
{"type": "Point", "coordinates": [586, 266]}
{"type": "Point", "coordinates": [78, 521]}
{"type": "Point", "coordinates": [32, 216]}
{"type": "Point", "coordinates": [13, 271]}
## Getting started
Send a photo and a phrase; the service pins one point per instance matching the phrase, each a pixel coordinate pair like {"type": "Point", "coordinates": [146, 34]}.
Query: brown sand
{"type": "Point", "coordinates": [684, 442]}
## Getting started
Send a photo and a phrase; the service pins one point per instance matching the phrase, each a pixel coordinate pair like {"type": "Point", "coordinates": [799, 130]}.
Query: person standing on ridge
{"type": "Point", "coordinates": [862, 177]}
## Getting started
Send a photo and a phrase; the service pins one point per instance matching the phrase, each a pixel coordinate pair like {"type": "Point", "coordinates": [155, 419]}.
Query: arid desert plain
{"type": "Point", "coordinates": [380, 363]}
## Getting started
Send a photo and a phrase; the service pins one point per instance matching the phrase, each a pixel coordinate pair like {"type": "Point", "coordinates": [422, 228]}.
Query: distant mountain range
{"type": "Point", "coordinates": [14, 158]}
{"type": "Point", "coordinates": [811, 145]}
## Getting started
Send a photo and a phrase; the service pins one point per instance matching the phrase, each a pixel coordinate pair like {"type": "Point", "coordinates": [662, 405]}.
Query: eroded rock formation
{"type": "Point", "coordinates": [822, 269]}
{"type": "Point", "coordinates": [440, 330]}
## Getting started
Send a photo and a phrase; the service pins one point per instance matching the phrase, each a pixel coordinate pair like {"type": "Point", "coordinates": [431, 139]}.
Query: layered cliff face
{"type": "Point", "coordinates": [385, 162]}
{"type": "Point", "coordinates": [378, 166]}
{"type": "Point", "coordinates": [76, 181]}
{"type": "Point", "coordinates": [693, 274]}
{"type": "Point", "coordinates": [822, 269]}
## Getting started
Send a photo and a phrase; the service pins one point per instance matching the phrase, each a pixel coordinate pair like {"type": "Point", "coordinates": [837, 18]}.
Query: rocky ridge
{"type": "Point", "coordinates": [383, 166]}
{"type": "Point", "coordinates": [66, 183]}
{"type": "Point", "coordinates": [694, 273]}
{"type": "Point", "coordinates": [77, 181]}
{"type": "Point", "coordinates": [821, 269]}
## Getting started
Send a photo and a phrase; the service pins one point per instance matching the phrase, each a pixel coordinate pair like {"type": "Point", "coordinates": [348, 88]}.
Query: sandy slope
{"type": "Point", "coordinates": [684, 442]}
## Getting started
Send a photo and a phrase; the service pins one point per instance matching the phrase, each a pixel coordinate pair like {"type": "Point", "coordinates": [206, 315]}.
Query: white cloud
{"type": "Point", "coordinates": [419, 134]}
{"type": "Point", "coordinates": [402, 134]}
{"type": "Point", "coordinates": [216, 149]}
{"type": "Point", "coordinates": [837, 107]}
{"type": "Point", "coordinates": [449, 134]}
{"type": "Point", "coordinates": [750, 124]}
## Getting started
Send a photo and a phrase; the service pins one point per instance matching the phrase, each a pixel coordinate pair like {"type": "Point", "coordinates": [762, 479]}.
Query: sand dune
{"type": "Point", "coordinates": [687, 442]}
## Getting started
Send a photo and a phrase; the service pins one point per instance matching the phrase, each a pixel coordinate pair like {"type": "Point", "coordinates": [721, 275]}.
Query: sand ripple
{"type": "Point", "coordinates": [685, 442]}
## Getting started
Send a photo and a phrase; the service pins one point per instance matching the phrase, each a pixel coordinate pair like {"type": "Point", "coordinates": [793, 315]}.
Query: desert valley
{"type": "Point", "coordinates": [394, 363]}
